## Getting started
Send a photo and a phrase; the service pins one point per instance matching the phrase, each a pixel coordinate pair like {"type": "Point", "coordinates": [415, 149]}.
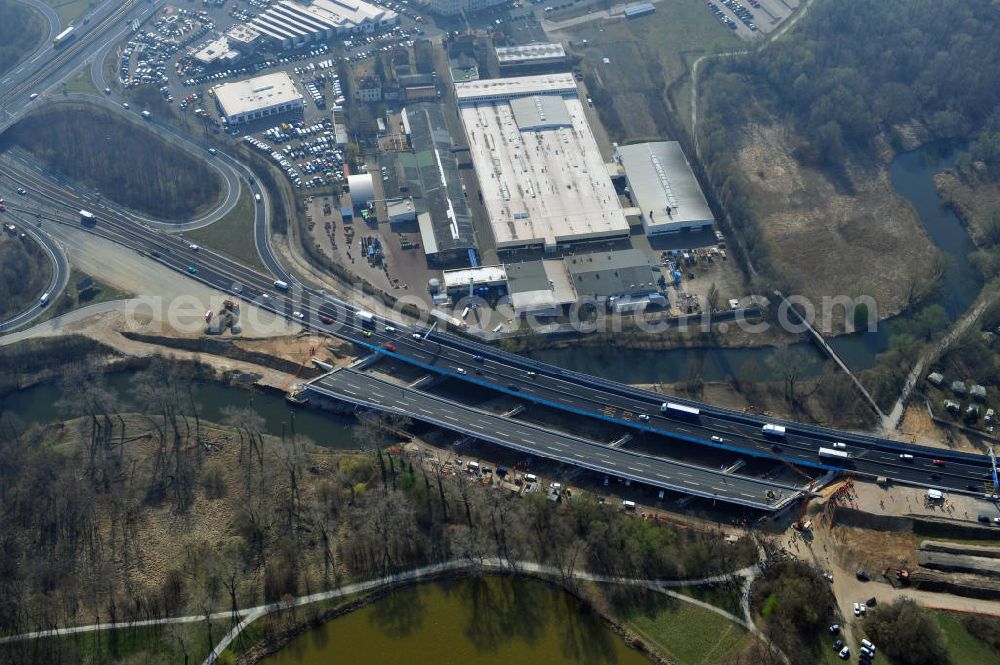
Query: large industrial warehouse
{"type": "Point", "coordinates": [541, 174]}
{"type": "Point", "coordinates": [292, 23]}
{"type": "Point", "coordinates": [664, 188]}
{"type": "Point", "coordinates": [258, 97]}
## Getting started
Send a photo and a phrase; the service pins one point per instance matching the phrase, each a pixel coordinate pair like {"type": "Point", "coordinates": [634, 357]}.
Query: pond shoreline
{"type": "Point", "coordinates": [270, 646]}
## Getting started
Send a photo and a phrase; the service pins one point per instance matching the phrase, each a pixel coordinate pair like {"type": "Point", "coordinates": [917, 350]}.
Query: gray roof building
{"type": "Point", "coordinates": [612, 273]}
{"type": "Point", "coordinates": [664, 187]}
{"type": "Point", "coordinates": [540, 288]}
{"type": "Point", "coordinates": [431, 175]}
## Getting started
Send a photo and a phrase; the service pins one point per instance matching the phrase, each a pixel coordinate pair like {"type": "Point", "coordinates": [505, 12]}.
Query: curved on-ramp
{"type": "Point", "coordinates": [60, 275]}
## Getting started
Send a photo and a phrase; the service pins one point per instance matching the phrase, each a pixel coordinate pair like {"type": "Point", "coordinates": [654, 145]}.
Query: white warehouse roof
{"type": "Point", "coordinates": [664, 187]}
{"type": "Point", "coordinates": [507, 55]}
{"type": "Point", "coordinates": [462, 277]}
{"type": "Point", "coordinates": [260, 92]}
{"type": "Point", "coordinates": [509, 88]}
{"type": "Point", "coordinates": [542, 177]}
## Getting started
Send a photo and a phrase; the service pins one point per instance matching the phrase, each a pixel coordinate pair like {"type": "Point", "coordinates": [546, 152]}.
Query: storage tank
{"type": "Point", "coordinates": [434, 285]}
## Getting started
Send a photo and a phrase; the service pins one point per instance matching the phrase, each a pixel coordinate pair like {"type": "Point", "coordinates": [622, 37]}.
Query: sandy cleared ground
{"type": "Point", "coordinates": [847, 236]}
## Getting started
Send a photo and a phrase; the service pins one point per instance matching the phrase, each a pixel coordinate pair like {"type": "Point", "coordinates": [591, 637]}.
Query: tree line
{"type": "Point", "coordinates": [124, 161]}
{"type": "Point", "coordinates": [81, 501]}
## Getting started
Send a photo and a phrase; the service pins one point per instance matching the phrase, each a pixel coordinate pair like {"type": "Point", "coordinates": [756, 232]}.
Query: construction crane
{"type": "Point", "coordinates": [298, 370]}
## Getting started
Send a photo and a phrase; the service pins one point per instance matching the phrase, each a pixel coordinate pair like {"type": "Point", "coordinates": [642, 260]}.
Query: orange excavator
{"type": "Point", "coordinates": [902, 575]}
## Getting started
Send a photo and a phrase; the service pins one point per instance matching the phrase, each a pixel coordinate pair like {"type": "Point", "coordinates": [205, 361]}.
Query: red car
{"type": "Point", "coordinates": [326, 319]}
{"type": "Point", "coordinates": [938, 462]}
{"type": "Point", "coordinates": [389, 346]}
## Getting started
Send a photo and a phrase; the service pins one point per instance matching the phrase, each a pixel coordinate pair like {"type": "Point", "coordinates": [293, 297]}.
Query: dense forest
{"type": "Point", "coordinates": [131, 516]}
{"type": "Point", "coordinates": [21, 28]}
{"type": "Point", "coordinates": [852, 70]}
{"type": "Point", "coordinates": [127, 163]}
{"type": "Point", "coordinates": [24, 273]}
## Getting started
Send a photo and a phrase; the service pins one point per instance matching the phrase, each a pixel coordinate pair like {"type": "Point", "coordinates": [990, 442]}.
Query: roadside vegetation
{"type": "Point", "coordinates": [797, 139]}
{"type": "Point", "coordinates": [81, 290]}
{"type": "Point", "coordinates": [680, 632]}
{"type": "Point", "coordinates": [233, 234]}
{"type": "Point", "coordinates": [908, 634]}
{"type": "Point", "coordinates": [795, 606]}
{"type": "Point", "coordinates": [21, 29]}
{"type": "Point", "coordinates": [133, 516]}
{"type": "Point", "coordinates": [125, 162]}
{"type": "Point", "coordinates": [25, 272]}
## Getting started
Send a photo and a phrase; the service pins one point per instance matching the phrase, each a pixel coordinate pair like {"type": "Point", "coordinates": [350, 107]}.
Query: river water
{"type": "Point", "coordinates": [40, 404]}
{"type": "Point", "coordinates": [490, 621]}
{"type": "Point", "coordinates": [912, 175]}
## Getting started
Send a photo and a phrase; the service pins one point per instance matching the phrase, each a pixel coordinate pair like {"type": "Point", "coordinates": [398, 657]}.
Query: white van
{"type": "Point", "coordinates": [530, 478]}
{"type": "Point", "coordinates": [906, 456]}
{"type": "Point", "coordinates": [868, 645]}
{"type": "Point", "coordinates": [473, 467]}
{"type": "Point", "coordinates": [44, 300]}
{"type": "Point", "coordinates": [628, 505]}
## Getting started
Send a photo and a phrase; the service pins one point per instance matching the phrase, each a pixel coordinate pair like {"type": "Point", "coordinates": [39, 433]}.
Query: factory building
{"type": "Point", "coordinates": [664, 188]}
{"type": "Point", "coordinates": [541, 175]}
{"type": "Point", "coordinates": [539, 288]}
{"type": "Point", "coordinates": [216, 52]}
{"type": "Point", "coordinates": [614, 274]}
{"type": "Point", "coordinates": [530, 57]}
{"type": "Point", "coordinates": [430, 174]}
{"type": "Point", "coordinates": [244, 38]}
{"type": "Point", "coordinates": [258, 97]}
{"type": "Point", "coordinates": [291, 24]}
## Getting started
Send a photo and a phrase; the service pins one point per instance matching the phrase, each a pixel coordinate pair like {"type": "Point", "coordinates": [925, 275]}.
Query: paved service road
{"type": "Point", "coordinates": [368, 390]}
{"type": "Point", "coordinates": [60, 271]}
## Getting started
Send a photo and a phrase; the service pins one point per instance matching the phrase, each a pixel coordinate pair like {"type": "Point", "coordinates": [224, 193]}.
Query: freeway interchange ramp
{"type": "Point", "coordinates": [366, 390]}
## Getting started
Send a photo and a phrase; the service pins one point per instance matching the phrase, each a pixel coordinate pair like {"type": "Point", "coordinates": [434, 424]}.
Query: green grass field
{"type": "Point", "coordinates": [684, 633]}
{"type": "Point", "coordinates": [233, 234]}
{"type": "Point", "coordinates": [71, 299]}
{"type": "Point", "coordinates": [963, 647]}
{"type": "Point", "coordinates": [154, 644]}
{"type": "Point", "coordinates": [70, 10]}
{"type": "Point", "coordinates": [81, 83]}
{"type": "Point", "coordinates": [666, 43]}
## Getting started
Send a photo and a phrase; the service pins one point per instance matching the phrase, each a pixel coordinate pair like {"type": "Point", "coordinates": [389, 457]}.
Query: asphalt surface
{"type": "Point", "coordinates": [445, 353]}
{"type": "Point", "coordinates": [60, 272]}
{"type": "Point", "coordinates": [370, 391]}
{"type": "Point", "coordinates": [584, 395]}
{"type": "Point", "coordinates": [49, 65]}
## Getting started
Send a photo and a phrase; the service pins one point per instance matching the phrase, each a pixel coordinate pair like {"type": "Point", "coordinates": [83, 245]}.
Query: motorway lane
{"type": "Point", "coordinates": [361, 388]}
{"type": "Point", "coordinates": [48, 68]}
{"type": "Point", "coordinates": [581, 394]}
{"type": "Point", "coordinates": [60, 271]}
{"type": "Point", "coordinates": [548, 386]}
{"type": "Point", "coordinates": [230, 178]}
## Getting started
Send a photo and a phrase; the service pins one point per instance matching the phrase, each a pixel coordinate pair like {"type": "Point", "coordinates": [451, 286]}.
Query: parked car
{"type": "Point", "coordinates": [863, 576]}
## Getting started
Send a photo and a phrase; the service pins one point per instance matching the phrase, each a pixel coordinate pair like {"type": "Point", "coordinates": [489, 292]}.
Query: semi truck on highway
{"type": "Point", "coordinates": [365, 317]}
{"type": "Point", "coordinates": [87, 218]}
{"type": "Point", "coordinates": [64, 36]}
{"type": "Point", "coordinates": [771, 429]}
{"type": "Point", "coordinates": [832, 452]}
{"type": "Point", "coordinates": [680, 410]}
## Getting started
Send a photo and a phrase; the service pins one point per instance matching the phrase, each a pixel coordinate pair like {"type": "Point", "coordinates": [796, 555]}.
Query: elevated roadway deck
{"type": "Point", "coordinates": [369, 391]}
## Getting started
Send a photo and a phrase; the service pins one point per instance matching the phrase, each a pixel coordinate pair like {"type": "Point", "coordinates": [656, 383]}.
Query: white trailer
{"type": "Point", "coordinates": [771, 429]}
{"type": "Point", "coordinates": [832, 452]}
{"type": "Point", "coordinates": [680, 410]}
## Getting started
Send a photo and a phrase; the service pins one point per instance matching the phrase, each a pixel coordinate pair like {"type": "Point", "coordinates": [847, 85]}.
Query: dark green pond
{"type": "Point", "coordinates": [491, 621]}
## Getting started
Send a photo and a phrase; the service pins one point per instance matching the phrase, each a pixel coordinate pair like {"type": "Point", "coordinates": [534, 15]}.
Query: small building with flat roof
{"type": "Point", "coordinates": [244, 38]}
{"type": "Point", "coordinates": [664, 187]}
{"type": "Point", "coordinates": [400, 211]}
{"type": "Point", "coordinates": [611, 274]}
{"type": "Point", "coordinates": [526, 56]}
{"type": "Point", "coordinates": [215, 52]}
{"type": "Point", "coordinates": [459, 282]}
{"type": "Point", "coordinates": [258, 97]}
{"type": "Point", "coordinates": [539, 288]}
